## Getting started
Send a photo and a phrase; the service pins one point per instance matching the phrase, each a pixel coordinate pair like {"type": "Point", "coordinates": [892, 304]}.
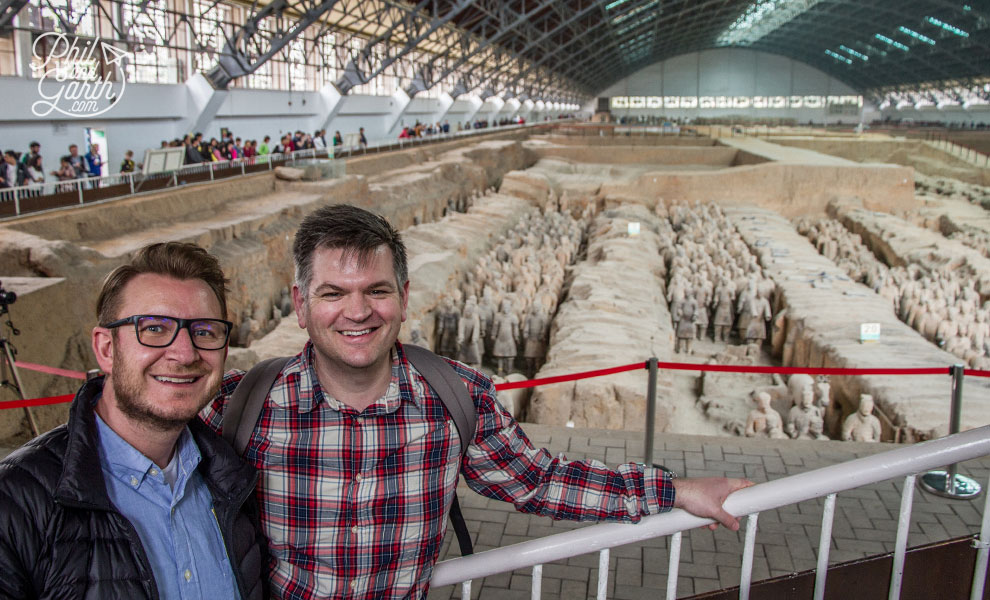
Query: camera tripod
{"type": "Point", "coordinates": [7, 364]}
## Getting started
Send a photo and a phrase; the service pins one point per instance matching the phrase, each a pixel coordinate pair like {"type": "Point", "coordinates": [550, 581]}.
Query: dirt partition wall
{"type": "Point", "coordinates": [679, 155]}
{"type": "Point", "coordinates": [821, 328]}
{"type": "Point", "coordinates": [614, 314]}
{"type": "Point", "coordinates": [791, 190]}
{"type": "Point", "coordinates": [632, 139]}
{"type": "Point", "coordinates": [924, 156]}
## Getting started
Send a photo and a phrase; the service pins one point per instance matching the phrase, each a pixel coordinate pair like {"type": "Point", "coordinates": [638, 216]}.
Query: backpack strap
{"type": "Point", "coordinates": [449, 386]}
{"type": "Point", "coordinates": [245, 404]}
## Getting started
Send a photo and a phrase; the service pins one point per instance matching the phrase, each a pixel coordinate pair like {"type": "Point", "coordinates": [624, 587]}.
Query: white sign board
{"type": "Point", "coordinates": [869, 332]}
{"type": "Point", "coordinates": [633, 229]}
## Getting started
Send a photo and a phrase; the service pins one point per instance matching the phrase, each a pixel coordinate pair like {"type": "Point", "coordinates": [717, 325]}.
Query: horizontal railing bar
{"type": "Point", "coordinates": [772, 494]}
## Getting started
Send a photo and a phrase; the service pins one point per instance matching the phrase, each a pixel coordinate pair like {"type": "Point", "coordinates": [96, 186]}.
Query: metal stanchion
{"type": "Point", "coordinates": [651, 409]}
{"type": "Point", "coordinates": [948, 483]}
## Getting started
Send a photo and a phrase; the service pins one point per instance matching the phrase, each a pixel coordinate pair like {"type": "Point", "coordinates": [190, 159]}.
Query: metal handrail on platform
{"type": "Point", "coordinates": [825, 482]}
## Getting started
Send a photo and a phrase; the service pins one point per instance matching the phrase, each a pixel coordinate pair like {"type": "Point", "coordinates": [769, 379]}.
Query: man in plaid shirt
{"type": "Point", "coordinates": [358, 456]}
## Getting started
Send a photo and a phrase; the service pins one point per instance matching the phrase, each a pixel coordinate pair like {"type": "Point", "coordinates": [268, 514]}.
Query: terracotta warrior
{"type": "Point", "coordinates": [862, 426]}
{"type": "Point", "coordinates": [469, 334]}
{"type": "Point", "coordinates": [446, 329]}
{"type": "Point", "coordinates": [805, 421]}
{"type": "Point", "coordinates": [505, 338]}
{"type": "Point", "coordinates": [685, 317]}
{"type": "Point", "coordinates": [533, 334]}
{"type": "Point", "coordinates": [764, 421]}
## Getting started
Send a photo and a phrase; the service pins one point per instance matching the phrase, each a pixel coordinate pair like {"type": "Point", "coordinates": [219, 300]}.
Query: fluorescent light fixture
{"type": "Point", "coordinates": [849, 50]}
{"type": "Point", "coordinates": [838, 56]}
{"type": "Point", "coordinates": [887, 40]}
{"type": "Point", "coordinates": [916, 35]}
{"type": "Point", "coordinates": [762, 18]}
{"type": "Point", "coordinates": [947, 27]}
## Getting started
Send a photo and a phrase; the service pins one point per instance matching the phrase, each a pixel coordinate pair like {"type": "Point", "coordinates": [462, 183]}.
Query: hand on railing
{"type": "Point", "coordinates": [704, 496]}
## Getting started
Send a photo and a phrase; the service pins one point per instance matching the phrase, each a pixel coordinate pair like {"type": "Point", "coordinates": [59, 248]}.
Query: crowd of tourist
{"type": "Point", "coordinates": [27, 169]}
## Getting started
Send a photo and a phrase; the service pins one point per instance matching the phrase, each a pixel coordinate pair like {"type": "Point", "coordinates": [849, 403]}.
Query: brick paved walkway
{"type": "Point", "coordinates": [787, 541]}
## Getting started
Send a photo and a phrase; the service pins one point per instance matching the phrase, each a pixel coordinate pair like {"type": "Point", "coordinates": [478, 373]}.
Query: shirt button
{"type": "Point", "coordinates": [356, 478]}
{"type": "Point", "coordinates": [187, 574]}
{"type": "Point", "coordinates": [134, 481]}
{"type": "Point", "coordinates": [354, 529]}
{"type": "Point", "coordinates": [353, 584]}
{"type": "Point", "coordinates": [154, 471]}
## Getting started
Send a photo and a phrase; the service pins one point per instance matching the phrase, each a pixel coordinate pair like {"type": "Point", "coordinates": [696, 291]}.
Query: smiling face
{"type": "Point", "coordinates": [161, 388]}
{"type": "Point", "coordinates": [352, 311]}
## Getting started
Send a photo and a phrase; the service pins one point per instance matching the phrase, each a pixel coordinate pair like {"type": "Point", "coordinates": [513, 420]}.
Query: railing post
{"type": "Point", "coordinates": [211, 171]}
{"type": "Point", "coordinates": [130, 177]}
{"type": "Point", "coordinates": [651, 409]}
{"type": "Point", "coordinates": [982, 546]}
{"type": "Point", "coordinates": [948, 483]}
{"type": "Point", "coordinates": [242, 167]}
{"type": "Point", "coordinates": [79, 186]}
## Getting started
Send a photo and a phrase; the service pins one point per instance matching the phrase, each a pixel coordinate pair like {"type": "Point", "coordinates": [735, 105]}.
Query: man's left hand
{"type": "Point", "coordinates": [703, 497]}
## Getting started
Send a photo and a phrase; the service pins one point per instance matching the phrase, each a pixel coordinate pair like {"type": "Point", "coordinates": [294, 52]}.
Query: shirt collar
{"type": "Point", "coordinates": [123, 461]}
{"type": "Point", "coordinates": [399, 388]}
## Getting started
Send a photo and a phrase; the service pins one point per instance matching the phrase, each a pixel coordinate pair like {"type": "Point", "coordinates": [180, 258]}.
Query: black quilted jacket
{"type": "Point", "coordinates": [61, 538]}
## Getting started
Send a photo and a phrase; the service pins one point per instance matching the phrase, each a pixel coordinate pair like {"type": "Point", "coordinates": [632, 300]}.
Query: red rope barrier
{"type": "Point", "coordinates": [37, 401]}
{"type": "Point", "coordinates": [561, 378]}
{"type": "Point", "coordinates": [50, 370]}
{"type": "Point", "coordinates": [575, 376]}
{"type": "Point", "coordinates": [806, 370]}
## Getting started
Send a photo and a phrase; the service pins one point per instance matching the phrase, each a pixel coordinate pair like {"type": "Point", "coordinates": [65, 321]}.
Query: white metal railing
{"type": "Point", "coordinates": [221, 169]}
{"type": "Point", "coordinates": [828, 481]}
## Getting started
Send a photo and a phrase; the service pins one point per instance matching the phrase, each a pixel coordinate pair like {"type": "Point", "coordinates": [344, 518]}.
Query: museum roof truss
{"type": "Point", "coordinates": [552, 49]}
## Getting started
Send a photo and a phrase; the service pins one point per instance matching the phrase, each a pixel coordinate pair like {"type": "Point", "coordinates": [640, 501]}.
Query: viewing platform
{"type": "Point", "coordinates": [787, 538]}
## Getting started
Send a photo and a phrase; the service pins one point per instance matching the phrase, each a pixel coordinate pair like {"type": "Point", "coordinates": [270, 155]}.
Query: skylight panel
{"type": "Point", "coordinates": [633, 25]}
{"type": "Point", "coordinates": [634, 12]}
{"type": "Point", "coordinates": [838, 56]}
{"type": "Point", "coordinates": [849, 50]}
{"type": "Point", "coordinates": [916, 35]}
{"type": "Point", "coordinates": [893, 43]}
{"type": "Point", "coordinates": [615, 4]}
{"type": "Point", "coordinates": [762, 18]}
{"type": "Point", "coordinates": [947, 27]}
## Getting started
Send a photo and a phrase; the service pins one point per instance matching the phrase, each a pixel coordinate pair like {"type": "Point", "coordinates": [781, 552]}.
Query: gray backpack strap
{"type": "Point", "coordinates": [245, 404]}
{"type": "Point", "coordinates": [449, 386]}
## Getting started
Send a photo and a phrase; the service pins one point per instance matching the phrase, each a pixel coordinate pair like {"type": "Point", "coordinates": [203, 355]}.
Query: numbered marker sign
{"type": "Point", "coordinates": [634, 229]}
{"type": "Point", "coordinates": [869, 332]}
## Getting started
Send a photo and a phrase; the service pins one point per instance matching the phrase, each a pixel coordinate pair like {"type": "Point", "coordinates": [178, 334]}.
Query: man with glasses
{"type": "Point", "coordinates": [134, 497]}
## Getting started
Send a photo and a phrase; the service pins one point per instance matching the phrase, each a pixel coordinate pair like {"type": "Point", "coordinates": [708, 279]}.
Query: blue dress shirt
{"type": "Point", "coordinates": [177, 526]}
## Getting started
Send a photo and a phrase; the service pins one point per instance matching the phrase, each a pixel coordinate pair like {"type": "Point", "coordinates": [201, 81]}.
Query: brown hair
{"type": "Point", "coordinates": [179, 260]}
{"type": "Point", "coordinates": [351, 228]}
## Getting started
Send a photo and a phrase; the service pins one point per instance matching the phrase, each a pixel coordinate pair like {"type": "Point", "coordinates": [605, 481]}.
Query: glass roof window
{"type": "Point", "coordinates": [761, 19]}
{"type": "Point", "coordinates": [893, 43]}
{"type": "Point", "coordinates": [916, 35]}
{"type": "Point", "coordinates": [849, 50]}
{"type": "Point", "coordinates": [634, 12]}
{"type": "Point", "coordinates": [839, 57]}
{"type": "Point", "coordinates": [947, 27]}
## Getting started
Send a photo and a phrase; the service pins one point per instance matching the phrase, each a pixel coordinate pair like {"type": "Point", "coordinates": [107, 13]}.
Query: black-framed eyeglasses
{"type": "Point", "coordinates": [157, 331]}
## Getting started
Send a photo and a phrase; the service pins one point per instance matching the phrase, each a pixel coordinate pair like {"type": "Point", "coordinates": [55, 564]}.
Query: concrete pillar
{"type": "Point", "coordinates": [491, 108]}
{"type": "Point", "coordinates": [476, 104]}
{"type": "Point", "coordinates": [24, 52]}
{"type": "Point", "coordinates": [332, 102]}
{"type": "Point", "coordinates": [400, 102]}
{"type": "Point", "coordinates": [206, 102]}
{"type": "Point", "coordinates": [511, 109]}
{"type": "Point", "coordinates": [526, 110]}
{"type": "Point", "coordinates": [446, 101]}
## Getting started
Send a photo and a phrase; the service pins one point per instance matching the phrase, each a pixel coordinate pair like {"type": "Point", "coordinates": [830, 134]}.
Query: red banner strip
{"type": "Point", "coordinates": [50, 370]}
{"type": "Point", "coordinates": [37, 401]}
{"type": "Point", "coordinates": [561, 378]}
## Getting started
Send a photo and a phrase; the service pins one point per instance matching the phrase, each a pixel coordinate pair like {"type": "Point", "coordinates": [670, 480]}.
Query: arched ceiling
{"type": "Point", "coordinates": [871, 45]}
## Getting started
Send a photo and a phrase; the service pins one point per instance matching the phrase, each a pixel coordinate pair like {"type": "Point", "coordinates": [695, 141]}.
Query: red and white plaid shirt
{"type": "Point", "coordinates": [355, 504]}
